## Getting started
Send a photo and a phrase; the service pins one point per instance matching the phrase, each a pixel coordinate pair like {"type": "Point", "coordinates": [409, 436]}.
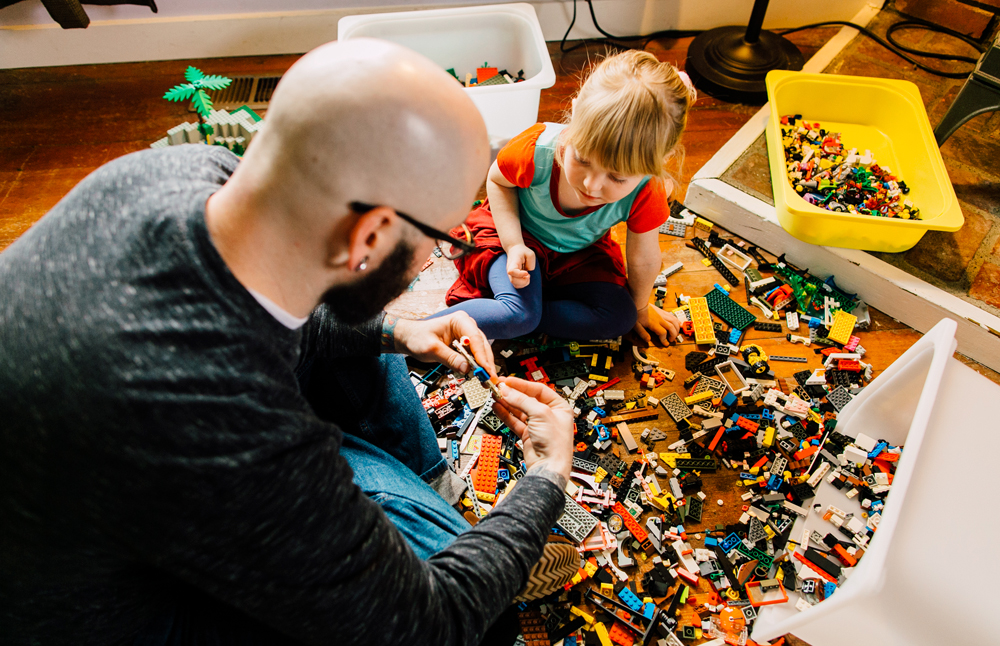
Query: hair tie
{"type": "Point", "coordinates": [688, 84]}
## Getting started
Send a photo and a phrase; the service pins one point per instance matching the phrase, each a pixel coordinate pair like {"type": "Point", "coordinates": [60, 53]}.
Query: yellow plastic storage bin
{"type": "Point", "coordinates": [884, 116]}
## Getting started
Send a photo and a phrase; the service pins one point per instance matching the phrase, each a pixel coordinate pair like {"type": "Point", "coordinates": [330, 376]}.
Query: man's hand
{"type": "Point", "coordinates": [430, 340]}
{"type": "Point", "coordinates": [663, 325]}
{"type": "Point", "coordinates": [520, 261]}
{"type": "Point", "coordinates": [542, 419]}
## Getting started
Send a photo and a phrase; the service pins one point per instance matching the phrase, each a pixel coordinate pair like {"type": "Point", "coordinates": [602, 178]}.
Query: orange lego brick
{"type": "Point", "coordinates": [485, 478]}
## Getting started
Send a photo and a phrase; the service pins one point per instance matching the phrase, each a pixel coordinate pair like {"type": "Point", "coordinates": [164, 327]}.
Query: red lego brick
{"type": "Point", "coordinates": [621, 635]}
{"type": "Point", "coordinates": [640, 534]}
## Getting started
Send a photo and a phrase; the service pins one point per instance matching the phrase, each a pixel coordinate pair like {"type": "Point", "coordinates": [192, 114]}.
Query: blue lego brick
{"type": "Point", "coordinates": [729, 399]}
{"type": "Point", "coordinates": [629, 599]}
{"type": "Point", "coordinates": [828, 589]}
{"type": "Point", "coordinates": [881, 446]}
{"type": "Point", "coordinates": [648, 609]}
{"type": "Point", "coordinates": [730, 542]}
{"type": "Point", "coordinates": [710, 542]}
{"type": "Point", "coordinates": [734, 336]}
{"type": "Point", "coordinates": [774, 482]}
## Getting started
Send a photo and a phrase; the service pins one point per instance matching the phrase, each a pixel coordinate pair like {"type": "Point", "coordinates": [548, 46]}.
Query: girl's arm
{"type": "Point", "coordinates": [644, 261]}
{"type": "Point", "coordinates": [504, 207]}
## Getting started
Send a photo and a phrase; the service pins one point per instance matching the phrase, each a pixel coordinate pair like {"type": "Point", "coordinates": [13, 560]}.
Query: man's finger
{"type": "Point", "coordinates": [508, 418]}
{"type": "Point", "coordinates": [452, 359]}
{"type": "Point", "coordinates": [529, 261]}
{"type": "Point", "coordinates": [641, 331]}
{"type": "Point", "coordinates": [481, 351]}
{"type": "Point", "coordinates": [537, 391]}
{"type": "Point", "coordinates": [518, 401]}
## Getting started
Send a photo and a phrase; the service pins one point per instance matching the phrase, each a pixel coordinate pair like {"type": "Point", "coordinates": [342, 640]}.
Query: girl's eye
{"type": "Point", "coordinates": [583, 162]}
{"type": "Point", "coordinates": [616, 180]}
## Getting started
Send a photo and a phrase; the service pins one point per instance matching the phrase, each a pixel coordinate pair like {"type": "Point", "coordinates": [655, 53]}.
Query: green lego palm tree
{"type": "Point", "coordinates": [194, 90]}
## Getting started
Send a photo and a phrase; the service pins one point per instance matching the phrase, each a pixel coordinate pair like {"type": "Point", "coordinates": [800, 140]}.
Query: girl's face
{"type": "Point", "coordinates": [592, 183]}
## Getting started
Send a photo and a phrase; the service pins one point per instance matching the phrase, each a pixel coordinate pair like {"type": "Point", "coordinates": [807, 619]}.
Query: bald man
{"type": "Point", "coordinates": [207, 432]}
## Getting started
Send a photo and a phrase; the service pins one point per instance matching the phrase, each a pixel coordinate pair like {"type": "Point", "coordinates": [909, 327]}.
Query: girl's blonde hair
{"type": "Point", "coordinates": [629, 114]}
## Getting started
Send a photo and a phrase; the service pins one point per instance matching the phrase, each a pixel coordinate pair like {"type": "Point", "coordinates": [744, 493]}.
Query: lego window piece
{"type": "Point", "coordinates": [729, 374]}
{"type": "Point", "coordinates": [730, 254]}
{"type": "Point", "coordinates": [765, 593]}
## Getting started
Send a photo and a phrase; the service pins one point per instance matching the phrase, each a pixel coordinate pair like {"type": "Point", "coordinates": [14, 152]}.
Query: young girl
{"type": "Point", "coordinates": [545, 260]}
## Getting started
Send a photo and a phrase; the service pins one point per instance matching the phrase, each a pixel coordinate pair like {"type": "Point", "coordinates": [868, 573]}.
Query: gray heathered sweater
{"type": "Point", "coordinates": [153, 442]}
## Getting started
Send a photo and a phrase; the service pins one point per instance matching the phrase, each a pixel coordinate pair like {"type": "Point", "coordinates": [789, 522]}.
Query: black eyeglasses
{"type": "Point", "coordinates": [449, 246]}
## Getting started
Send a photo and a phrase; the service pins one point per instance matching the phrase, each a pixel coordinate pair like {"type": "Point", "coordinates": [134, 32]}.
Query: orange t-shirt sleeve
{"type": "Point", "coordinates": [651, 207]}
{"type": "Point", "coordinates": [516, 160]}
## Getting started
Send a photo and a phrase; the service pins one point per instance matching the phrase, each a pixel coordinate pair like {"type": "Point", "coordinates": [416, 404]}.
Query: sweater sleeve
{"type": "Point", "coordinates": [270, 523]}
{"type": "Point", "coordinates": [323, 335]}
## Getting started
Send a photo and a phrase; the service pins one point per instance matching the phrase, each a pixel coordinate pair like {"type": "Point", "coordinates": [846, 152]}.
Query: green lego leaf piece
{"type": "Point", "coordinates": [179, 92]}
{"type": "Point", "coordinates": [215, 82]}
{"type": "Point", "coordinates": [193, 74]}
{"type": "Point", "coordinates": [202, 103]}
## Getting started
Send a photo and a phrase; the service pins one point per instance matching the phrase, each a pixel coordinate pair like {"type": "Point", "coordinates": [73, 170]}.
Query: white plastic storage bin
{"type": "Point", "coordinates": [507, 36]}
{"type": "Point", "coordinates": [928, 576]}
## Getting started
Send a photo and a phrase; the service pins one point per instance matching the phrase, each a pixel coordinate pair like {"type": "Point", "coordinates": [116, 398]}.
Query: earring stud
{"type": "Point", "coordinates": [363, 265]}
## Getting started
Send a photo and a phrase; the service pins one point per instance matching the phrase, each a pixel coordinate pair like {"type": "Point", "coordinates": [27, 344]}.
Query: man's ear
{"type": "Point", "coordinates": [362, 235]}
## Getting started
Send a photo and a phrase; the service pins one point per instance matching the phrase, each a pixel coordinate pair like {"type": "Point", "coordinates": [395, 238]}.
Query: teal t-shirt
{"type": "Point", "coordinates": [539, 216]}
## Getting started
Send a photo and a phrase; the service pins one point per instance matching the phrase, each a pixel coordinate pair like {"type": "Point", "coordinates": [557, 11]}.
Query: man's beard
{"type": "Point", "coordinates": [361, 300]}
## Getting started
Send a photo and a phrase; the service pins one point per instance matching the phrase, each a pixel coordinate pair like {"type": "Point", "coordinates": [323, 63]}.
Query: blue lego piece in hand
{"type": "Point", "coordinates": [481, 374]}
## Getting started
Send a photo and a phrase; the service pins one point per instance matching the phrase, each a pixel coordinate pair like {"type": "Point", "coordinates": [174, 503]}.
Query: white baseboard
{"type": "Point", "coordinates": [167, 37]}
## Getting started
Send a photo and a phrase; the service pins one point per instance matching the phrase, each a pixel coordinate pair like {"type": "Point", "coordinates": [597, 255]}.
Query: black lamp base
{"type": "Point", "coordinates": [723, 64]}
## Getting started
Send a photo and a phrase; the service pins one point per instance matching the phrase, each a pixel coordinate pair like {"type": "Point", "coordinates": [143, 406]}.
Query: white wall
{"type": "Point", "coordinates": [211, 28]}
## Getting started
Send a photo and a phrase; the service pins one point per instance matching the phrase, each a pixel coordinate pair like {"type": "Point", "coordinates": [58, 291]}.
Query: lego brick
{"type": "Point", "coordinates": [843, 326]}
{"type": "Point", "coordinates": [700, 464]}
{"type": "Point", "coordinates": [695, 507]}
{"type": "Point", "coordinates": [567, 370]}
{"type": "Point", "coordinates": [781, 357]}
{"type": "Point", "coordinates": [637, 531]}
{"type": "Point", "coordinates": [485, 479]}
{"type": "Point", "coordinates": [640, 415]}
{"type": "Point", "coordinates": [584, 465]}
{"type": "Point", "coordinates": [655, 435]}
{"type": "Point", "coordinates": [701, 319]}
{"type": "Point", "coordinates": [839, 397]}
{"type": "Point", "coordinates": [674, 228]}
{"type": "Point", "coordinates": [475, 393]}
{"type": "Point", "coordinates": [714, 385]}
{"type": "Point", "coordinates": [576, 522]}
{"type": "Point", "coordinates": [675, 407]}
{"type": "Point", "coordinates": [533, 628]}
{"type": "Point", "coordinates": [720, 304]}
{"type": "Point", "coordinates": [767, 326]}
{"type": "Point", "coordinates": [626, 435]}
{"type": "Point", "coordinates": [720, 266]}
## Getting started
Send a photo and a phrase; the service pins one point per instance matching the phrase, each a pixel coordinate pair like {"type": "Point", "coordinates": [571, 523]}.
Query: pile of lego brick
{"type": "Point", "coordinates": [487, 75]}
{"type": "Point", "coordinates": [830, 177]}
{"type": "Point", "coordinates": [648, 572]}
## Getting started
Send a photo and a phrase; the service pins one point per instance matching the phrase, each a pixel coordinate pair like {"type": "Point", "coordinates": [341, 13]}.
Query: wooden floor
{"type": "Point", "coordinates": [59, 124]}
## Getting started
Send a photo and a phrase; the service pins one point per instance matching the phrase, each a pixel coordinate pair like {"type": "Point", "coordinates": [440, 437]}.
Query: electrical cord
{"type": "Point", "coordinates": [889, 42]}
{"type": "Point", "coordinates": [901, 50]}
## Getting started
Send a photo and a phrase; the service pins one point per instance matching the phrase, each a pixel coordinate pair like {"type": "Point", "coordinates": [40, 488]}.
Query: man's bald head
{"type": "Point", "coordinates": [371, 121]}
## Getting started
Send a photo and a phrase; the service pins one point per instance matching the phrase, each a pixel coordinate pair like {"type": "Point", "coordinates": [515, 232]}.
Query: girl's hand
{"type": "Point", "coordinates": [662, 324]}
{"type": "Point", "coordinates": [520, 260]}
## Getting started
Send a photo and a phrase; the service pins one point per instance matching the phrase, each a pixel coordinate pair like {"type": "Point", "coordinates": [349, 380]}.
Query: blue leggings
{"type": "Point", "coordinates": [581, 311]}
